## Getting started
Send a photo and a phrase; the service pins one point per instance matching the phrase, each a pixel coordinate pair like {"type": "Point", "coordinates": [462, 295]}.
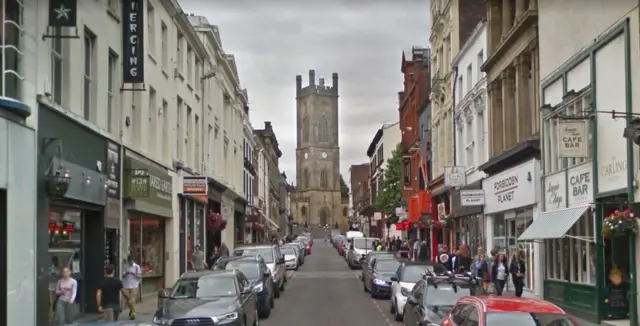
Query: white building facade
{"type": "Point", "coordinates": [588, 167]}
{"type": "Point", "coordinates": [472, 149]}
{"type": "Point", "coordinates": [263, 202]}
{"type": "Point", "coordinates": [249, 174]}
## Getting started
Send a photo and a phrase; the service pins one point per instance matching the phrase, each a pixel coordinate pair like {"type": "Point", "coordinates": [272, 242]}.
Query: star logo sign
{"type": "Point", "coordinates": [62, 12]}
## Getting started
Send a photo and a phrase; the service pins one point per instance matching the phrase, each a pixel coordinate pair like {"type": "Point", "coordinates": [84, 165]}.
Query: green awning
{"type": "Point", "coordinates": [553, 224]}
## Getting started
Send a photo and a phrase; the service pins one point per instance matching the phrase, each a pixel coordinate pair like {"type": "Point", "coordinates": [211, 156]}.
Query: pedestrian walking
{"type": "Point", "coordinates": [198, 259]}
{"type": "Point", "coordinates": [131, 282]}
{"type": "Point", "coordinates": [517, 270]}
{"type": "Point", "coordinates": [66, 291]}
{"type": "Point", "coordinates": [499, 273]}
{"type": "Point", "coordinates": [108, 295]}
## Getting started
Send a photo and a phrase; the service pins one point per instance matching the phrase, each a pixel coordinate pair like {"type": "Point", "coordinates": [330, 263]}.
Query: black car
{"type": "Point", "coordinates": [256, 271]}
{"type": "Point", "coordinates": [208, 298]}
{"type": "Point", "coordinates": [368, 260]}
{"type": "Point", "coordinates": [377, 279]}
{"type": "Point", "coordinates": [432, 298]}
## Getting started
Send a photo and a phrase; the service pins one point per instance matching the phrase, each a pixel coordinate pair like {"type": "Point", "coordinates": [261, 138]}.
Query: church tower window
{"type": "Point", "coordinates": [307, 176]}
{"type": "Point", "coordinates": [305, 129]}
{"type": "Point", "coordinates": [324, 179]}
{"type": "Point", "coordinates": [323, 130]}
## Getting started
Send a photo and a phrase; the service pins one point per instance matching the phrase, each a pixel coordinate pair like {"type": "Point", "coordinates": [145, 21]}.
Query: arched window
{"type": "Point", "coordinates": [304, 130]}
{"type": "Point", "coordinates": [324, 216]}
{"type": "Point", "coordinates": [303, 211]}
{"type": "Point", "coordinates": [323, 130]}
{"type": "Point", "coordinates": [307, 177]}
{"type": "Point", "coordinates": [324, 180]}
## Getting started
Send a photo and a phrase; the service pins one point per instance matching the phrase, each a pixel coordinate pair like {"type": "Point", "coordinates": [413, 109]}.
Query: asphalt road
{"type": "Point", "coordinates": [322, 292]}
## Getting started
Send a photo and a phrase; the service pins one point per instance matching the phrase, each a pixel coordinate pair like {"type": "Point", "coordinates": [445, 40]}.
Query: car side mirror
{"type": "Point", "coordinates": [394, 279]}
{"type": "Point", "coordinates": [412, 301]}
{"type": "Point", "coordinates": [164, 293]}
{"type": "Point", "coordinates": [247, 290]}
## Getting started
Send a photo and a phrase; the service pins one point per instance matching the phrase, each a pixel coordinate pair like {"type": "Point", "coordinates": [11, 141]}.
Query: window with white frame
{"type": "Point", "coordinates": [151, 28]}
{"type": "Point", "coordinates": [153, 123]}
{"type": "Point", "coordinates": [469, 140]}
{"type": "Point", "coordinates": [114, 5]}
{"type": "Point", "coordinates": [480, 138]}
{"type": "Point", "coordinates": [89, 68]}
{"type": "Point", "coordinates": [188, 138]}
{"type": "Point", "coordinates": [179, 132]}
{"type": "Point", "coordinates": [469, 78]}
{"type": "Point", "coordinates": [460, 88]}
{"type": "Point", "coordinates": [189, 64]}
{"type": "Point", "coordinates": [180, 54]}
{"type": "Point", "coordinates": [460, 141]}
{"type": "Point", "coordinates": [479, 62]}
{"type": "Point", "coordinates": [57, 66]}
{"type": "Point", "coordinates": [573, 258]}
{"type": "Point", "coordinates": [166, 153]}
{"type": "Point", "coordinates": [11, 38]}
{"type": "Point", "coordinates": [576, 106]}
{"type": "Point", "coordinates": [164, 46]}
{"type": "Point", "coordinates": [111, 92]}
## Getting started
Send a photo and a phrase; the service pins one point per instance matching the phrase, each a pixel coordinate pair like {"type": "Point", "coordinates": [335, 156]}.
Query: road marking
{"type": "Point", "coordinates": [375, 303]}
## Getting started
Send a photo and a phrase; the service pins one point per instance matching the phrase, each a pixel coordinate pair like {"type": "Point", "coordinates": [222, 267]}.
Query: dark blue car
{"type": "Point", "coordinates": [256, 270]}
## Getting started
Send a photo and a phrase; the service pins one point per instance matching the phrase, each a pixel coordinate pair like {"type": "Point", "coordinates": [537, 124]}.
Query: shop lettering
{"type": "Point", "coordinates": [505, 197]}
{"type": "Point", "coordinates": [507, 183]}
{"type": "Point", "coordinates": [573, 138]}
{"type": "Point", "coordinates": [553, 194]}
{"type": "Point", "coordinates": [613, 168]}
{"type": "Point", "coordinates": [159, 184]}
{"type": "Point", "coordinates": [580, 184]}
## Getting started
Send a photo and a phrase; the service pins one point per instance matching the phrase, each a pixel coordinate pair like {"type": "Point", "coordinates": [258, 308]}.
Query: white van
{"type": "Point", "coordinates": [350, 235]}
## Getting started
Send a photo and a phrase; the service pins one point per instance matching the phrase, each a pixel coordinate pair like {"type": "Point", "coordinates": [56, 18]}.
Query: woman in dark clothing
{"type": "Point", "coordinates": [499, 273]}
{"type": "Point", "coordinates": [517, 269]}
{"type": "Point", "coordinates": [463, 262]}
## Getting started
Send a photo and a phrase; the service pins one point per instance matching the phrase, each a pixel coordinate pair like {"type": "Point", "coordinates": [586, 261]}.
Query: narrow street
{"type": "Point", "coordinates": [322, 292]}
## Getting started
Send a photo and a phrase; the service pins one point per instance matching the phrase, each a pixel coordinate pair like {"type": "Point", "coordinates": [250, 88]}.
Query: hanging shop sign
{"type": "Point", "coordinates": [195, 185]}
{"type": "Point", "coordinates": [472, 197]}
{"type": "Point", "coordinates": [113, 170]}
{"type": "Point", "coordinates": [572, 138]}
{"type": "Point", "coordinates": [455, 176]}
{"type": "Point", "coordinates": [555, 190]}
{"type": "Point", "coordinates": [133, 41]}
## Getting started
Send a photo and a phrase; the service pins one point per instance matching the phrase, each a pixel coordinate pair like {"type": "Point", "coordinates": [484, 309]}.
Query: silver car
{"type": "Point", "coordinates": [358, 250]}
{"type": "Point", "coordinates": [274, 260]}
{"type": "Point", "coordinates": [408, 274]}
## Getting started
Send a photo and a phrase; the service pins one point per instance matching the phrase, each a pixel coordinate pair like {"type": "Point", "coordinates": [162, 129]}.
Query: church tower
{"type": "Point", "coordinates": [317, 200]}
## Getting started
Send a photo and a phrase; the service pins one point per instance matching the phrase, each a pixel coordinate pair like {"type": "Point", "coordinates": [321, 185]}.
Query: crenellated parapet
{"type": "Point", "coordinates": [321, 88]}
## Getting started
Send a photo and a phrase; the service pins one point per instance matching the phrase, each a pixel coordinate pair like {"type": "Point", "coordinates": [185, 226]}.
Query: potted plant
{"type": "Point", "coordinates": [620, 222]}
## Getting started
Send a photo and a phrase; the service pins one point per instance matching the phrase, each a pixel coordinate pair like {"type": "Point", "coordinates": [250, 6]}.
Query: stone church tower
{"type": "Point", "coordinates": [317, 201]}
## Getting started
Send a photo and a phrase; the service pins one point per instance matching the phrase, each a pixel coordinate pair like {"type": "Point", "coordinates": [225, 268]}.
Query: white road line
{"type": "Point", "coordinates": [375, 303]}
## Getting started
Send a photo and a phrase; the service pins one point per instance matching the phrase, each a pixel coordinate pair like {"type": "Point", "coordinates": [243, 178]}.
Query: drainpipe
{"type": "Point", "coordinates": [453, 113]}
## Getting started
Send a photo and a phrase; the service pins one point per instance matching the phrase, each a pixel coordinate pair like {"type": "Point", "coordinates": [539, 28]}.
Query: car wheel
{"type": "Point", "coordinates": [272, 302]}
{"type": "Point", "coordinates": [282, 286]}
{"type": "Point", "coordinates": [397, 316]}
{"type": "Point", "coordinates": [404, 312]}
{"type": "Point", "coordinates": [392, 308]}
{"type": "Point", "coordinates": [256, 318]}
{"type": "Point", "coordinates": [265, 313]}
{"type": "Point", "coordinates": [276, 291]}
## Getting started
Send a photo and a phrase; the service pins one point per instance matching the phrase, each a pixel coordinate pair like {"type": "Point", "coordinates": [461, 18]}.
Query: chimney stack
{"type": "Point", "coordinates": [334, 76]}
{"type": "Point", "coordinates": [298, 84]}
{"type": "Point", "coordinates": [312, 77]}
{"type": "Point", "coordinates": [267, 125]}
{"type": "Point", "coordinates": [321, 82]}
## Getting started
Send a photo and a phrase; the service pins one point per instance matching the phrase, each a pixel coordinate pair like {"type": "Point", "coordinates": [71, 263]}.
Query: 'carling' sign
{"type": "Point", "coordinates": [133, 41]}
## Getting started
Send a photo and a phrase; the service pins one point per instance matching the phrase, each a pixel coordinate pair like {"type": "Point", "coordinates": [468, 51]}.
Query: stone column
{"type": "Point", "coordinates": [494, 29]}
{"type": "Point", "coordinates": [523, 100]}
{"type": "Point", "coordinates": [507, 19]}
{"type": "Point", "coordinates": [508, 108]}
{"type": "Point", "coordinates": [533, 4]}
{"type": "Point", "coordinates": [520, 9]}
{"type": "Point", "coordinates": [494, 92]}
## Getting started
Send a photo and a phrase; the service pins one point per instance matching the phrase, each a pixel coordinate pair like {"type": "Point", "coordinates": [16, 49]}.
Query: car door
{"type": "Point", "coordinates": [369, 272]}
{"type": "Point", "coordinates": [247, 300]}
{"type": "Point", "coordinates": [395, 285]}
{"type": "Point", "coordinates": [411, 310]}
{"type": "Point", "coordinates": [279, 267]}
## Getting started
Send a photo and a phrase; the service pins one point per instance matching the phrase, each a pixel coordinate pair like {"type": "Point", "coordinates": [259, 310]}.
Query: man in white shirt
{"type": "Point", "coordinates": [131, 281]}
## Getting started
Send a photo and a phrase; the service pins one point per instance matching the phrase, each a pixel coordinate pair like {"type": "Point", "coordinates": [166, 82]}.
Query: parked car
{"type": "Point", "coordinates": [407, 275]}
{"type": "Point", "coordinates": [368, 260]}
{"type": "Point", "coordinates": [433, 297]}
{"type": "Point", "coordinates": [290, 257]}
{"type": "Point", "coordinates": [274, 260]}
{"type": "Point", "coordinates": [307, 244]}
{"type": "Point", "coordinates": [358, 249]}
{"type": "Point", "coordinates": [491, 310]}
{"type": "Point", "coordinates": [377, 279]}
{"type": "Point", "coordinates": [299, 247]}
{"type": "Point", "coordinates": [218, 297]}
{"type": "Point", "coordinates": [259, 276]}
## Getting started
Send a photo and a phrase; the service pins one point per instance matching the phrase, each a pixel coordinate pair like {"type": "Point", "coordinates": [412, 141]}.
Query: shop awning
{"type": "Point", "coordinates": [553, 224]}
{"type": "Point", "coordinates": [273, 223]}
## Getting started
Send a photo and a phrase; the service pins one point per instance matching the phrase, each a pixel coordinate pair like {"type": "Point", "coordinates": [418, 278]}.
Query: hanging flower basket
{"type": "Point", "coordinates": [447, 221]}
{"type": "Point", "coordinates": [438, 225]}
{"type": "Point", "coordinates": [215, 222]}
{"type": "Point", "coordinates": [620, 222]}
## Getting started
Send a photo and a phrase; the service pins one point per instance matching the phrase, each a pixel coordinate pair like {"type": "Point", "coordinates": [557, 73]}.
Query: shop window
{"type": "Point", "coordinates": [147, 244]}
{"type": "Point", "coordinates": [406, 164]}
{"type": "Point", "coordinates": [573, 258]}
{"type": "Point", "coordinates": [576, 106]}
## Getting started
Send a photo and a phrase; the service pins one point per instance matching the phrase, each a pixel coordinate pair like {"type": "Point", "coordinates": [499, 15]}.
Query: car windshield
{"type": "Point", "coordinates": [364, 243]}
{"type": "Point", "coordinates": [265, 253]}
{"type": "Point", "coordinates": [387, 265]}
{"type": "Point", "coordinates": [528, 319]}
{"type": "Point", "coordinates": [413, 273]}
{"type": "Point", "coordinates": [250, 269]}
{"type": "Point", "coordinates": [204, 287]}
{"type": "Point", "coordinates": [445, 296]}
{"type": "Point", "coordinates": [287, 251]}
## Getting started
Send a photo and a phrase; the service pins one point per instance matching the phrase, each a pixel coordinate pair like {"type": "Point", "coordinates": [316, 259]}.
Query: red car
{"type": "Point", "coordinates": [341, 248]}
{"type": "Point", "coordinates": [493, 310]}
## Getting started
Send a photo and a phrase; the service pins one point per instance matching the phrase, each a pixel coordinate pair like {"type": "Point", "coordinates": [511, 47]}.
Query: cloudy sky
{"type": "Point", "coordinates": [361, 40]}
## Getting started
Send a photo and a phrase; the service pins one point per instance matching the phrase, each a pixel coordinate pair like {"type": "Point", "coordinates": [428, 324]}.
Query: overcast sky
{"type": "Point", "coordinates": [361, 40]}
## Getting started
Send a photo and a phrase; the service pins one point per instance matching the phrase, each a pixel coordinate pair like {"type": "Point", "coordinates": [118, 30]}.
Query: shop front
{"type": "Point", "coordinates": [147, 199]}
{"type": "Point", "coordinates": [193, 201]}
{"type": "Point", "coordinates": [239, 211]}
{"type": "Point", "coordinates": [440, 224]}
{"type": "Point", "coordinates": [510, 207]}
{"type": "Point", "coordinates": [569, 263]}
{"type": "Point", "coordinates": [72, 194]}
{"type": "Point", "coordinates": [466, 215]}
{"type": "Point", "coordinates": [18, 209]}
{"type": "Point", "coordinates": [214, 223]}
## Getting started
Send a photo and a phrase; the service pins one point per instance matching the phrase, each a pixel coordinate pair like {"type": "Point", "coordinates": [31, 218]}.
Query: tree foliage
{"type": "Point", "coordinates": [344, 189]}
{"type": "Point", "coordinates": [390, 189]}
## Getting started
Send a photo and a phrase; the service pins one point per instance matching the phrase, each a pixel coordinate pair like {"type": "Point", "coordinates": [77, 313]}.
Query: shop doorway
{"type": "Point", "coordinates": [616, 265]}
{"type": "Point", "coordinates": [3, 252]}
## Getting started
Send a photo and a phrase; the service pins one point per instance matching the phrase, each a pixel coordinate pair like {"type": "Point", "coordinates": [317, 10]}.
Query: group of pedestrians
{"type": "Point", "coordinates": [495, 271]}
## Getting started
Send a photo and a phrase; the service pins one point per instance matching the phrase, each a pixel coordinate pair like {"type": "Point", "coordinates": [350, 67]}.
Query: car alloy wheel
{"type": "Point", "coordinates": [256, 319]}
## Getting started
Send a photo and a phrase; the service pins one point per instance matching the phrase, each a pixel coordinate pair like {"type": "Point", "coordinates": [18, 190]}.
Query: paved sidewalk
{"type": "Point", "coordinates": [580, 320]}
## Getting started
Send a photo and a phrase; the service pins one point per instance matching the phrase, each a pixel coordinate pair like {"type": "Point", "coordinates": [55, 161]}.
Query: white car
{"type": "Point", "coordinates": [358, 249]}
{"type": "Point", "coordinates": [290, 257]}
{"type": "Point", "coordinates": [408, 274]}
